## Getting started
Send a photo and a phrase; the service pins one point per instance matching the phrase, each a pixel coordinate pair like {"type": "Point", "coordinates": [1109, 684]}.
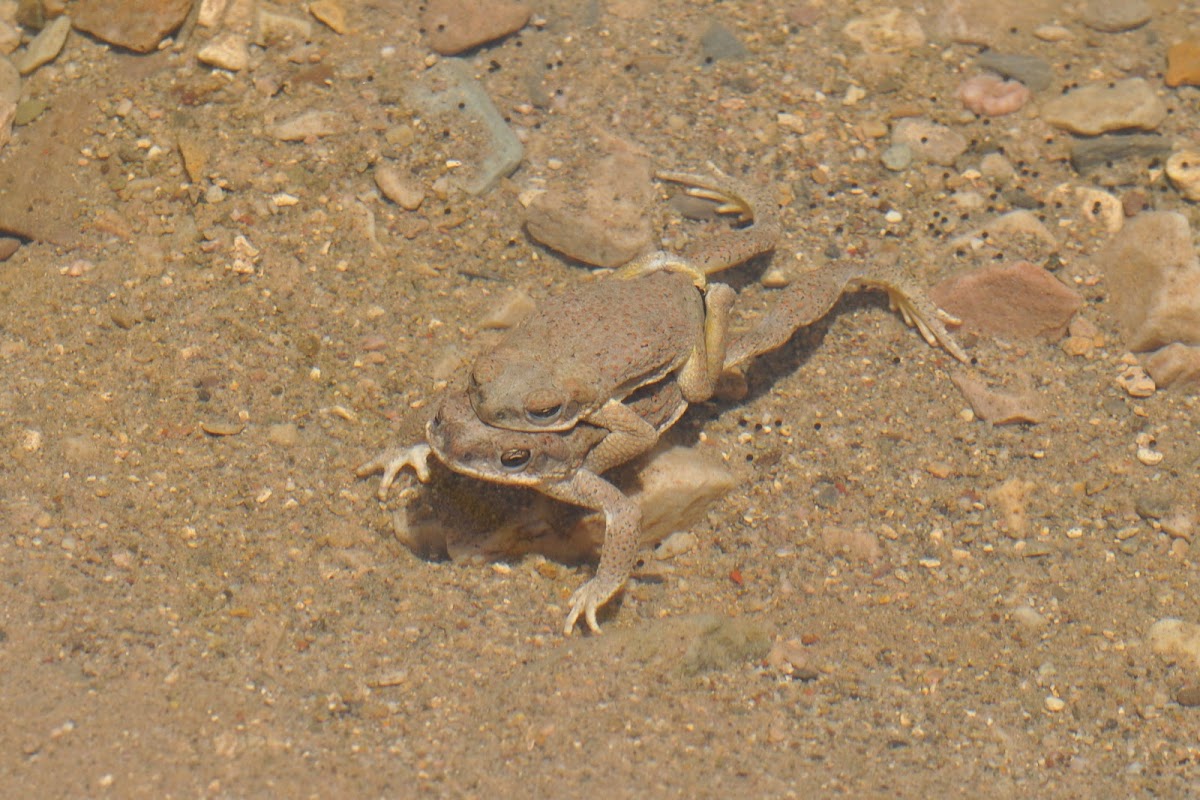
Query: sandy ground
{"type": "Point", "coordinates": [199, 599]}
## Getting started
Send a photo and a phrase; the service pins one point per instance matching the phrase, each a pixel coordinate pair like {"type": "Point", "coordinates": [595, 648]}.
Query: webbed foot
{"type": "Point", "coordinates": [392, 462]}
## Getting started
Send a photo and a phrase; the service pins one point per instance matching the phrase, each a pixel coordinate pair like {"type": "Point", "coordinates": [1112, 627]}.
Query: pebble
{"type": "Point", "coordinates": [1101, 207]}
{"type": "Point", "coordinates": [1176, 640]}
{"type": "Point", "coordinates": [1019, 300]}
{"type": "Point", "coordinates": [10, 97]}
{"type": "Point", "coordinates": [992, 96]}
{"type": "Point", "coordinates": [1115, 16]}
{"type": "Point", "coordinates": [307, 124]}
{"type": "Point", "coordinates": [454, 26]}
{"type": "Point", "coordinates": [719, 43]}
{"type": "Point", "coordinates": [276, 26]}
{"type": "Point", "coordinates": [1136, 383]}
{"type": "Point", "coordinates": [1183, 170]}
{"type": "Point", "coordinates": [1175, 365]}
{"type": "Point", "coordinates": [1154, 280]}
{"type": "Point", "coordinates": [1101, 107]}
{"type": "Point", "coordinates": [929, 141]}
{"type": "Point", "coordinates": [1015, 235]}
{"type": "Point", "coordinates": [887, 31]}
{"type": "Point", "coordinates": [988, 23]}
{"type": "Point", "coordinates": [449, 90]}
{"type": "Point", "coordinates": [606, 224]}
{"type": "Point", "coordinates": [996, 168]}
{"type": "Point", "coordinates": [395, 187]}
{"type": "Point", "coordinates": [1029, 618]}
{"type": "Point", "coordinates": [1055, 704]}
{"type": "Point", "coordinates": [676, 545]}
{"type": "Point", "coordinates": [137, 25]}
{"type": "Point", "coordinates": [1183, 63]}
{"type": "Point", "coordinates": [1001, 408]}
{"type": "Point", "coordinates": [228, 50]}
{"type": "Point", "coordinates": [897, 158]}
{"type": "Point", "coordinates": [9, 245]}
{"type": "Point", "coordinates": [1034, 72]}
{"type": "Point", "coordinates": [330, 14]}
{"type": "Point", "coordinates": [44, 47]}
{"type": "Point", "coordinates": [853, 544]}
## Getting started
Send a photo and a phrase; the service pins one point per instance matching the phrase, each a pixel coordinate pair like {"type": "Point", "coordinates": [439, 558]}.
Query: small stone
{"type": "Point", "coordinates": [44, 47]}
{"type": "Point", "coordinates": [1100, 107]}
{"type": "Point", "coordinates": [992, 96]}
{"type": "Point", "coordinates": [453, 26]}
{"type": "Point", "coordinates": [1019, 300]}
{"type": "Point", "coordinates": [853, 544]}
{"type": "Point", "coordinates": [1029, 618]}
{"type": "Point", "coordinates": [285, 434]}
{"type": "Point", "coordinates": [1011, 499]}
{"type": "Point", "coordinates": [1135, 382]}
{"type": "Point", "coordinates": [1034, 72]}
{"type": "Point", "coordinates": [678, 485]}
{"type": "Point", "coordinates": [606, 224]}
{"type": "Point", "coordinates": [1183, 63]}
{"type": "Point", "coordinates": [228, 50]}
{"type": "Point", "coordinates": [1188, 696]}
{"type": "Point", "coordinates": [277, 26]}
{"type": "Point", "coordinates": [1001, 408]}
{"type": "Point", "coordinates": [308, 124]}
{"type": "Point", "coordinates": [1154, 279]}
{"type": "Point", "coordinates": [331, 14]}
{"type": "Point", "coordinates": [507, 311]}
{"type": "Point", "coordinates": [9, 245]}
{"type": "Point", "coordinates": [1115, 16]}
{"type": "Point", "coordinates": [1183, 170]}
{"type": "Point", "coordinates": [930, 141]}
{"type": "Point", "coordinates": [1101, 207]}
{"type": "Point", "coordinates": [719, 43]}
{"type": "Point", "coordinates": [897, 158]}
{"type": "Point", "coordinates": [1176, 641]}
{"type": "Point", "coordinates": [996, 168]}
{"type": "Point", "coordinates": [395, 187]}
{"type": "Point", "coordinates": [1053, 33]}
{"type": "Point", "coordinates": [886, 31]}
{"type": "Point", "coordinates": [1055, 704]}
{"type": "Point", "coordinates": [222, 427]}
{"type": "Point", "coordinates": [137, 25]}
{"type": "Point", "coordinates": [675, 545]}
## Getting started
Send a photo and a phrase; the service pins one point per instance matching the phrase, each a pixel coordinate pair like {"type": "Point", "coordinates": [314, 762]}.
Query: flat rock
{"type": "Point", "coordinates": [44, 47]}
{"type": "Point", "coordinates": [137, 25]}
{"type": "Point", "coordinates": [1015, 236]}
{"type": "Point", "coordinates": [1177, 641]}
{"type": "Point", "coordinates": [1019, 300]}
{"type": "Point", "coordinates": [1097, 108]}
{"type": "Point", "coordinates": [1154, 279]}
{"type": "Point", "coordinates": [1001, 407]}
{"type": "Point", "coordinates": [453, 26]}
{"type": "Point", "coordinates": [1115, 16]}
{"type": "Point", "coordinates": [606, 225]}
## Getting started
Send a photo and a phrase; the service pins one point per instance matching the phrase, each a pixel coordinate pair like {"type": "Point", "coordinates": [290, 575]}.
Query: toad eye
{"type": "Point", "coordinates": [515, 459]}
{"type": "Point", "coordinates": [544, 414]}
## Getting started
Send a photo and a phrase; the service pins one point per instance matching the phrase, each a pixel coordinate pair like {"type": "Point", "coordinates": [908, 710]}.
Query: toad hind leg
{"type": "Point", "coordinates": [622, 537]}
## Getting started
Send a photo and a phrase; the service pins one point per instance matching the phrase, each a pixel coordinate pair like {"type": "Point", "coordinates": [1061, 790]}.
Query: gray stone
{"type": "Point", "coordinates": [1034, 72]}
{"type": "Point", "coordinates": [1116, 16]}
{"type": "Point", "coordinates": [929, 141]}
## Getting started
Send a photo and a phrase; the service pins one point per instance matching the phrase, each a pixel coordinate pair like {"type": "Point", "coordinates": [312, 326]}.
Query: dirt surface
{"type": "Point", "coordinates": [199, 599]}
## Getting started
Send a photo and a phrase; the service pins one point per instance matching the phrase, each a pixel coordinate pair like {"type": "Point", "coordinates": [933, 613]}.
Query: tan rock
{"type": "Point", "coordinates": [1176, 365]}
{"type": "Point", "coordinates": [453, 26]}
{"type": "Point", "coordinates": [137, 25]}
{"type": "Point", "coordinates": [1101, 107]}
{"type": "Point", "coordinates": [1154, 278]}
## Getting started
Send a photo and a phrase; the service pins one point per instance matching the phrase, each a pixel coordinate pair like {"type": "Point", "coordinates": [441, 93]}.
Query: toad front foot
{"type": "Point", "coordinates": [587, 599]}
{"type": "Point", "coordinates": [392, 462]}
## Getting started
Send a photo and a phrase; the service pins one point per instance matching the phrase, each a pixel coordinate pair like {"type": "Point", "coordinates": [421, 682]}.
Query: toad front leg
{"type": "Point", "coordinates": [622, 537]}
{"type": "Point", "coordinates": [392, 462]}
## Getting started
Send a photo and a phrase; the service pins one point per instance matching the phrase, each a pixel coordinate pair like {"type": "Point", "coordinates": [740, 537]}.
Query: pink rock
{"type": "Point", "coordinates": [453, 26]}
{"type": "Point", "coordinates": [992, 96]}
{"type": "Point", "coordinates": [1019, 300]}
{"type": "Point", "coordinates": [137, 25]}
{"type": "Point", "coordinates": [1175, 365]}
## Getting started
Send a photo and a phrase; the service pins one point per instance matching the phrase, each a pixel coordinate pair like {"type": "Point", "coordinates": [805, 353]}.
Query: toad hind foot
{"type": "Point", "coordinates": [919, 312]}
{"type": "Point", "coordinates": [392, 462]}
